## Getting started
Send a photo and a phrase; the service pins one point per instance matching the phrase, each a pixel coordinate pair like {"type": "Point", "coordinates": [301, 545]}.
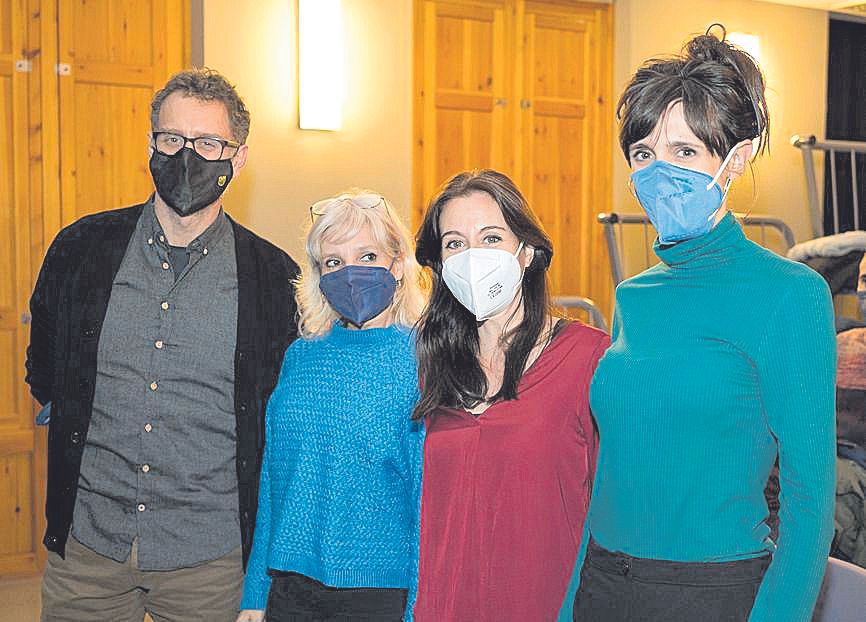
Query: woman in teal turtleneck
{"type": "Point", "coordinates": [722, 355]}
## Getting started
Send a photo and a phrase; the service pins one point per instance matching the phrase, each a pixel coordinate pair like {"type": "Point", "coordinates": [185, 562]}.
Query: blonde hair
{"type": "Point", "coordinates": [342, 219]}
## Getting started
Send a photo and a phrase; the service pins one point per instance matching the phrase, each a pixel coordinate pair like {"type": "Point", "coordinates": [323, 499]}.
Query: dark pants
{"type": "Point", "coordinates": [297, 598]}
{"type": "Point", "coordinates": [615, 586]}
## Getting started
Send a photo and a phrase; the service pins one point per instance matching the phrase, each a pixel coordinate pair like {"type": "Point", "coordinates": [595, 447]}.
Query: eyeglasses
{"type": "Point", "coordinates": [362, 201]}
{"type": "Point", "coordinates": [208, 147]}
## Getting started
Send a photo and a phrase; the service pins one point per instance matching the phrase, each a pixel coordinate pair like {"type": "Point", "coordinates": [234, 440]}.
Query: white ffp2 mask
{"type": "Point", "coordinates": [484, 280]}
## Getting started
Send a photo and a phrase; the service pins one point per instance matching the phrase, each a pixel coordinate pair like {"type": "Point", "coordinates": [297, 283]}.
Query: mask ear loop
{"type": "Point", "coordinates": [754, 141]}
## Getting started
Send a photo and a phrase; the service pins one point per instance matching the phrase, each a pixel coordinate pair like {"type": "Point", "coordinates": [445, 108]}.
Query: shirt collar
{"type": "Point", "coordinates": [155, 234]}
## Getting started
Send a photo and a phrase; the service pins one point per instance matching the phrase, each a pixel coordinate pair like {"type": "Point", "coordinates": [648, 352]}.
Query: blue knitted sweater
{"type": "Point", "coordinates": [341, 476]}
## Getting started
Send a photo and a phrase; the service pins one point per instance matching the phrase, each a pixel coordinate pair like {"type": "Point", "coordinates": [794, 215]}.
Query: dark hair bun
{"type": "Point", "coordinates": [720, 86]}
{"type": "Point", "coordinates": [709, 48]}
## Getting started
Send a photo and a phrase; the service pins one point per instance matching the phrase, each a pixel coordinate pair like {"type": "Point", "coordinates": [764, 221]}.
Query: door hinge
{"type": "Point", "coordinates": [23, 65]}
{"type": "Point", "coordinates": [25, 318]}
{"type": "Point", "coordinates": [500, 101]}
{"type": "Point", "coordinates": [63, 69]}
{"type": "Point", "coordinates": [525, 103]}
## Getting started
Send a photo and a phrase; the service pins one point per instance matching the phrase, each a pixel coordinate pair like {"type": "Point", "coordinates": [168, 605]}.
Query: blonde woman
{"type": "Point", "coordinates": [339, 490]}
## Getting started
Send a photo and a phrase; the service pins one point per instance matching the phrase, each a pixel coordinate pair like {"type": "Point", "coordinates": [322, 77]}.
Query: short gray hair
{"type": "Point", "coordinates": [206, 85]}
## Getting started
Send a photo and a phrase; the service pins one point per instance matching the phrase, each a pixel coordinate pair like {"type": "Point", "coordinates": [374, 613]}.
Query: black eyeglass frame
{"type": "Point", "coordinates": [186, 139]}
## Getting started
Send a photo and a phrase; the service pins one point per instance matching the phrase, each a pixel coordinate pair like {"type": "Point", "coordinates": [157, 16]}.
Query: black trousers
{"type": "Point", "coordinates": [297, 598]}
{"type": "Point", "coordinates": [615, 586]}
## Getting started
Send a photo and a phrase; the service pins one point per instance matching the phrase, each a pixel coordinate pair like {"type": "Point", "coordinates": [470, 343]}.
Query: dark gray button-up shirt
{"type": "Point", "coordinates": [159, 463]}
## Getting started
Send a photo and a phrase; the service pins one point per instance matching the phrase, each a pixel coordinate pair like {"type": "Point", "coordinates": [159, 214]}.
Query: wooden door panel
{"type": "Point", "coordinates": [522, 86]}
{"type": "Point", "coordinates": [16, 499]}
{"type": "Point", "coordinates": [555, 194]}
{"type": "Point", "coordinates": [17, 518]}
{"type": "Point", "coordinates": [464, 91]}
{"type": "Point", "coordinates": [124, 28]}
{"type": "Point", "coordinates": [563, 150]}
{"type": "Point", "coordinates": [84, 131]}
{"type": "Point", "coordinates": [113, 150]}
{"type": "Point", "coordinates": [119, 54]}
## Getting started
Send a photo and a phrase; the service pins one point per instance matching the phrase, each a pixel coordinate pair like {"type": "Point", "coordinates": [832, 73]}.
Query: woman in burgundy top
{"type": "Point", "coordinates": [510, 451]}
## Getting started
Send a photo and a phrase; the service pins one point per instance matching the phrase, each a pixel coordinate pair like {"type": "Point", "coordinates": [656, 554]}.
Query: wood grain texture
{"type": "Point", "coordinates": [523, 87]}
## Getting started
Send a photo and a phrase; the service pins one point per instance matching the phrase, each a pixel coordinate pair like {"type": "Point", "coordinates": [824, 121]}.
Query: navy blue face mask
{"type": "Point", "coordinates": [359, 293]}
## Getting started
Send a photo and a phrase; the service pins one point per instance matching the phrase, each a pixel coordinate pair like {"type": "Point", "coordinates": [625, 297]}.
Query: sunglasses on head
{"type": "Point", "coordinates": [362, 201]}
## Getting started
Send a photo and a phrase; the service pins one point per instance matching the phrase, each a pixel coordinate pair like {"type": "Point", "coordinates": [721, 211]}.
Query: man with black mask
{"type": "Point", "coordinates": [157, 336]}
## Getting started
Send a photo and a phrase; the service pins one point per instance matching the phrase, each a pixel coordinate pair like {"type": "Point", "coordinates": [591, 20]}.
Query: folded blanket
{"type": "Point", "coordinates": [829, 246]}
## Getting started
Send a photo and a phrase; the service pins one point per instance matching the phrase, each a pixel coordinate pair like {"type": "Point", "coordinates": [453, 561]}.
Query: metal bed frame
{"type": "Point", "coordinates": [596, 317]}
{"type": "Point", "coordinates": [816, 205]}
{"type": "Point", "coordinates": [616, 251]}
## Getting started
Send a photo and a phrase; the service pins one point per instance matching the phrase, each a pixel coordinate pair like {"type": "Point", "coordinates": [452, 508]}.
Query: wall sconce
{"type": "Point", "coordinates": [321, 55]}
{"type": "Point", "coordinates": [749, 43]}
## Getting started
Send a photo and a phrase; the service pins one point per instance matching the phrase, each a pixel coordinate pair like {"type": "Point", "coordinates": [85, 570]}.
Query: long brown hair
{"type": "Point", "coordinates": [448, 365]}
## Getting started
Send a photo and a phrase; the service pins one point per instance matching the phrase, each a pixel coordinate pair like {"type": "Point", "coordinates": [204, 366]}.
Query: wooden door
{"type": "Point", "coordinates": [523, 87]}
{"type": "Point", "coordinates": [73, 142]}
{"type": "Point", "coordinates": [19, 535]}
{"type": "Point", "coordinates": [565, 129]}
{"type": "Point", "coordinates": [464, 85]}
{"type": "Point", "coordinates": [113, 54]}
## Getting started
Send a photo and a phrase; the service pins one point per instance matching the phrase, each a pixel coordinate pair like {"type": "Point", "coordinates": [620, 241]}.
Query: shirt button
{"type": "Point", "coordinates": [150, 241]}
{"type": "Point", "coordinates": [165, 265]}
{"type": "Point", "coordinates": [145, 467]}
{"type": "Point", "coordinates": [204, 252]}
{"type": "Point", "coordinates": [141, 507]}
{"type": "Point", "coordinates": [159, 344]}
{"type": "Point", "coordinates": [153, 386]}
{"type": "Point", "coordinates": [147, 427]}
{"type": "Point", "coordinates": [162, 238]}
{"type": "Point", "coordinates": [164, 306]}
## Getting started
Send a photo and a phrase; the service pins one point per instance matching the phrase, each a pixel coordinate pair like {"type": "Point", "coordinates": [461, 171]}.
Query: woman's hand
{"type": "Point", "coordinates": [251, 615]}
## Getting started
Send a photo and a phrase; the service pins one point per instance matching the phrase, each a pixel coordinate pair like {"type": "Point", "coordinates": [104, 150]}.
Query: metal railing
{"type": "Point", "coordinates": [613, 235]}
{"type": "Point", "coordinates": [596, 318]}
{"type": "Point", "coordinates": [815, 202]}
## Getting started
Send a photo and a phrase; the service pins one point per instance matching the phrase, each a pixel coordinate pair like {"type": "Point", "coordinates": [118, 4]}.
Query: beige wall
{"type": "Point", "coordinates": [794, 59]}
{"type": "Point", "coordinates": [254, 44]}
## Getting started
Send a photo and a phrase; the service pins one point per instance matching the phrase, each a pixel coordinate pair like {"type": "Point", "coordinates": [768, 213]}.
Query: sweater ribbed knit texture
{"type": "Point", "coordinates": [340, 481]}
{"type": "Point", "coordinates": [721, 353]}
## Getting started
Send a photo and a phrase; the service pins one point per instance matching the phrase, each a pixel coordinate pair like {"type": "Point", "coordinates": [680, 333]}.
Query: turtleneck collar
{"type": "Point", "coordinates": [713, 248]}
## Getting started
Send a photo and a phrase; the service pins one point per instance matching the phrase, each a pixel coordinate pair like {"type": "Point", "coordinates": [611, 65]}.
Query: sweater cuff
{"type": "Point", "coordinates": [256, 594]}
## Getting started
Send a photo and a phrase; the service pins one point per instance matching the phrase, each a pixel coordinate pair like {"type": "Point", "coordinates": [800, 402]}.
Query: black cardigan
{"type": "Point", "coordinates": [68, 307]}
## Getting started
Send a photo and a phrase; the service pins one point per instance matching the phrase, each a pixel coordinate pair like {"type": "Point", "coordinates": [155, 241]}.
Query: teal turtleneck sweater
{"type": "Point", "coordinates": [722, 354]}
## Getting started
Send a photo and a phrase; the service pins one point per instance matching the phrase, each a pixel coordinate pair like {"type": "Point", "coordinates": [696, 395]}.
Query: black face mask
{"type": "Point", "coordinates": [187, 182]}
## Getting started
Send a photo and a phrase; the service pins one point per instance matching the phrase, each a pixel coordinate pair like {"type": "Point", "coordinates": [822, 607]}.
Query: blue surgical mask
{"type": "Point", "coordinates": [359, 293]}
{"type": "Point", "coordinates": [680, 202]}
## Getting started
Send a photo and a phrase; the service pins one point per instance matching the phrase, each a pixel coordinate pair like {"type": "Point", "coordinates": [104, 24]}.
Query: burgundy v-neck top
{"type": "Point", "coordinates": [505, 493]}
